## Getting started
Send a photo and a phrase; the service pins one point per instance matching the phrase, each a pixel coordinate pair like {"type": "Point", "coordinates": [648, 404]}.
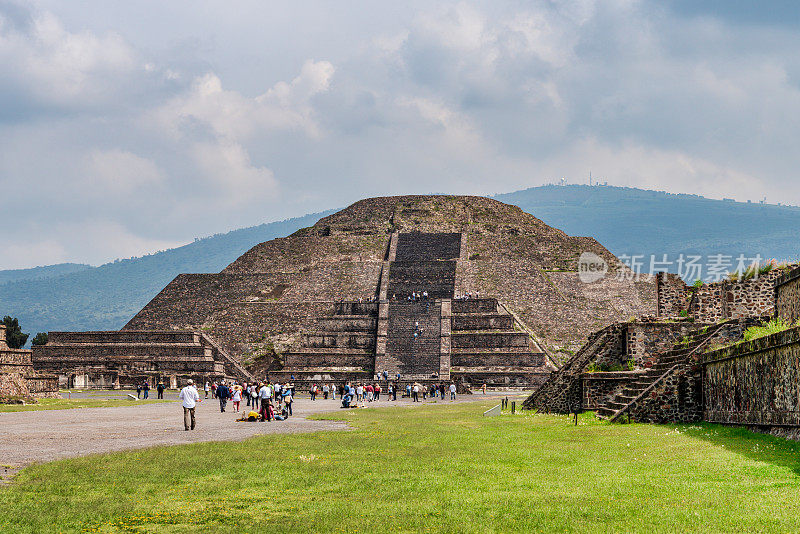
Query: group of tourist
{"type": "Point", "coordinates": [467, 296]}
{"type": "Point", "coordinates": [359, 393]}
{"type": "Point", "coordinates": [251, 393]}
{"type": "Point", "coordinates": [268, 401]}
{"type": "Point", "coordinates": [144, 388]}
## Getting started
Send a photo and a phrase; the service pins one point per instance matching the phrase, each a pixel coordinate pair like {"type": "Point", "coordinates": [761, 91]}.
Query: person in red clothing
{"type": "Point", "coordinates": [377, 392]}
{"type": "Point", "coordinates": [370, 392]}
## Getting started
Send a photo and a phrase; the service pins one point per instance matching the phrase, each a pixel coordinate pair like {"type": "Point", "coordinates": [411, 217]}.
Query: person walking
{"type": "Point", "coordinates": [207, 388]}
{"type": "Point", "coordinates": [189, 399]}
{"type": "Point", "coordinates": [452, 391]}
{"type": "Point", "coordinates": [236, 397]}
{"type": "Point", "coordinates": [326, 389]}
{"type": "Point", "coordinates": [288, 400]}
{"type": "Point", "coordinates": [160, 389]}
{"type": "Point", "coordinates": [223, 394]}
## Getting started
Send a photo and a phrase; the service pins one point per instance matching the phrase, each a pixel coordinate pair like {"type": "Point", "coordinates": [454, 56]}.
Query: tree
{"type": "Point", "coordinates": [14, 336]}
{"type": "Point", "coordinates": [40, 339]}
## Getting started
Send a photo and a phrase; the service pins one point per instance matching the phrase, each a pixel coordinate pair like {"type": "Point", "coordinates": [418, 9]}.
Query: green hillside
{"type": "Point", "coordinates": [631, 221]}
{"type": "Point", "coordinates": [106, 297]}
{"type": "Point", "coordinates": [36, 273]}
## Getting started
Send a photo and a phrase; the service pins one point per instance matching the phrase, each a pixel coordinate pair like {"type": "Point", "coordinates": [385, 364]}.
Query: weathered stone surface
{"type": "Point", "coordinates": [17, 376]}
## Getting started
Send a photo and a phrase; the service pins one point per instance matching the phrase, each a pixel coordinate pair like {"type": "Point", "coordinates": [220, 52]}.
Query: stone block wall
{"type": "Point", "coordinates": [672, 295]}
{"type": "Point", "coordinates": [644, 341]}
{"type": "Point", "coordinates": [726, 299]}
{"type": "Point", "coordinates": [787, 296]}
{"type": "Point", "coordinates": [754, 383]}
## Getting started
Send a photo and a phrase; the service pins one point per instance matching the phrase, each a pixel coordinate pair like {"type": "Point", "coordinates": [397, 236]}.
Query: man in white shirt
{"type": "Point", "coordinates": [452, 392]}
{"type": "Point", "coordinates": [189, 399]}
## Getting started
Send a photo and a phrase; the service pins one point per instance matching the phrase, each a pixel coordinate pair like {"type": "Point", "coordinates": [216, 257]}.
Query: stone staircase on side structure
{"type": "Point", "coordinates": [679, 358]}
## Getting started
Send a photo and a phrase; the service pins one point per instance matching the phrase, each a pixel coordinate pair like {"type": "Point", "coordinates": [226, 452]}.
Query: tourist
{"type": "Point", "coordinates": [377, 389]}
{"type": "Point", "coordinates": [442, 389]}
{"type": "Point", "coordinates": [214, 387]}
{"type": "Point", "coordinates": [223, 393]}
{"type": "Point", "coordinates": [264, 393]}
{"type": "Point", "coordinates": [408, 390]}
{"type": "Point", "coordinates": [254, 394]}
{"type": "Point", "coordinates": [276, 391]}
{"type": "Point", "coordinates": [160, 389]}
{"type": "Point", "coordinates": [325, 391]}
{"type": "Point", "coordinates": [207, 388]}
{"type": "Point", "coordinates": [483, 387]}
{"type": "Point", "coordinates": [369, 391]}
{"type": "Point", "coordinates": [288, 400]}
{"type": "Point", "coordinates": [313, 392]}
{"type": "Point", "coordinates": [146, 389]}
{"type": "Point", "coordinates": [359, 393]}
{"type": "Point", "coordinates": [138, 391]}
{"type": "Point", "coordinates": [333, 391]}
{"type": "Point", "coordinates": [236, 397]}
{"type": "Point", "coordinates": [189, 399]}
{"type": "Point", "coordinates": [452, 391]}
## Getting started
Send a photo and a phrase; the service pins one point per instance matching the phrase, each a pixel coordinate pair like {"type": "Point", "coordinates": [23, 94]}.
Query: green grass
{"type": "Point", "coordinates": [768, 328]}
{"type": "Point", "coordinates": [436, 468]}
{"type": "Point", "coordinates": [66, 404]}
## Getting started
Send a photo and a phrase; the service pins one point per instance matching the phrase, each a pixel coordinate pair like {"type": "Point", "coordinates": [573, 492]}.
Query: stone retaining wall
{"type": "Point", "coordinates": [754, 383]}
{"type": "Point", "coordinates": [787, 296]}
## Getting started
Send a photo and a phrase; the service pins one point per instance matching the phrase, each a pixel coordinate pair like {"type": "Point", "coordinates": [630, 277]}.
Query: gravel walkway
{"type": "Point", "coordinates": [42, 436]}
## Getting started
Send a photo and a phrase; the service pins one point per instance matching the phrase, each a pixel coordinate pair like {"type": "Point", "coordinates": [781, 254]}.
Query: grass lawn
{"type": "Point", "coordinates": [435, 468]}
{"type": "Point", "coordinates": [66, 404]}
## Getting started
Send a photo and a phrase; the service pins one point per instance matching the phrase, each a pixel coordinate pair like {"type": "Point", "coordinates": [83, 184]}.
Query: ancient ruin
{"type": "Point", "coordinates": [331, 302]}
{"type": "Point", "coordinates": [691, 362]}
{"type": "Point", "coordinates": [18, 380]}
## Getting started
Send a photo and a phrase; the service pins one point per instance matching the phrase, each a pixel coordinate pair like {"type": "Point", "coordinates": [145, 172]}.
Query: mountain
{"type": "Point", "coordinates": [37, 273]}
{"type": "Point", "coordinates": [626, 221]}
{"type": "Point", "coordinates": [106, 297]}
{"type": "Point", "coordinates": [631, 221]}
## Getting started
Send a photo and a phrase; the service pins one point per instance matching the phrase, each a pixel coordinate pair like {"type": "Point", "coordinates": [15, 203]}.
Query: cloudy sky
{"type": "Point", "coordinates": [128, 127]}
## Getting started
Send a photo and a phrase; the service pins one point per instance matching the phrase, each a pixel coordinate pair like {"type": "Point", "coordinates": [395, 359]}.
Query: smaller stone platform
{"type": "Point", "coordinates": [115, 359]}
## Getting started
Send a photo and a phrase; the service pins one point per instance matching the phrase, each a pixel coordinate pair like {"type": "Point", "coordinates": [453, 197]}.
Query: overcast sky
{"type": "Point", "coordinates": [128, 127]}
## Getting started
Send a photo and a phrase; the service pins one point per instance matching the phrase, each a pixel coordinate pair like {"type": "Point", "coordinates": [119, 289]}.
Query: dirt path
{"type": "Point", "coordinates": [42, 436]}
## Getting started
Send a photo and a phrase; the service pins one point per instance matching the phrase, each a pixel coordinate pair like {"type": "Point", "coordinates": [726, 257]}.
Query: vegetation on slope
{"type": "Point", "coordinates": [430, 469]}
{"type": "Point", "coordinates": [635, 221]}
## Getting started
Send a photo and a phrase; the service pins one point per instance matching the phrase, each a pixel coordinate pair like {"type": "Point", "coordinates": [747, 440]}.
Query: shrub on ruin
{"type": "Point", "coordinates": [40, 339]}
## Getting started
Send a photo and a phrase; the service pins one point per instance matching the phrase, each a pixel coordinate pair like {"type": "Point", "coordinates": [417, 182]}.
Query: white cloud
{"type": "Point", "coordinates": [117, 172]}
{"type": "Point", "coordinates": [237, 180]}
{"type": "Point", "coordinates": [232, 115]}
{"type": "Point", "coordinates": [146, 121]}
